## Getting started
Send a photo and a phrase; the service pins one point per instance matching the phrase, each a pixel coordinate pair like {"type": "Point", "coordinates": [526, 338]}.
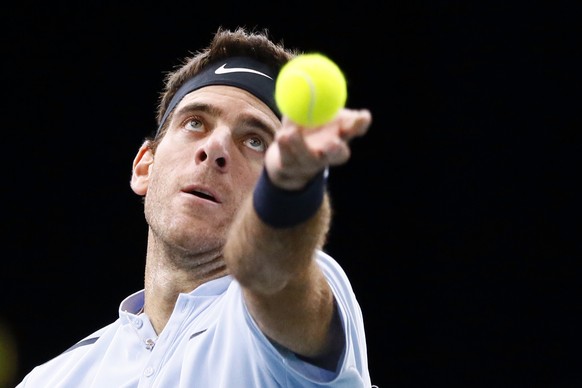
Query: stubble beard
{"type": "Point", "coordinates": [184, 240]}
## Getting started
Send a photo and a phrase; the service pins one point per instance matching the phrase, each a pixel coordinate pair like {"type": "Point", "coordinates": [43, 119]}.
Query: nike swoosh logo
{"type": "Point", "coordinates": [223, 70]}
{"type": "Point", "coordinates": [197, 334]}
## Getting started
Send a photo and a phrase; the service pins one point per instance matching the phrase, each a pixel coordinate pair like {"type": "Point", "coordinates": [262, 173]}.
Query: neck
{"type": "Point", "coordinates": [168, 275]}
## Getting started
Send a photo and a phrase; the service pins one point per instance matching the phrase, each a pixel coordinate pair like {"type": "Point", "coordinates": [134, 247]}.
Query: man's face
{"type": "Point", "coordinates": [206, 164]}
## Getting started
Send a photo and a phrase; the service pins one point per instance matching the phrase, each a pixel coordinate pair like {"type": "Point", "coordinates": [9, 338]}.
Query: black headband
{"type": "Point", "coordinates": [242, 72]}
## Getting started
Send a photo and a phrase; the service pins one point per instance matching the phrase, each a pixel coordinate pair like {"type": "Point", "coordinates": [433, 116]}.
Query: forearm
{"type": "Point", "coordinates": [264, 258]}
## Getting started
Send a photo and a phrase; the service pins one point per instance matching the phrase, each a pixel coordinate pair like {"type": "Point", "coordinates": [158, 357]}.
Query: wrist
{"type": "Point", "coordinates": [283, 208]}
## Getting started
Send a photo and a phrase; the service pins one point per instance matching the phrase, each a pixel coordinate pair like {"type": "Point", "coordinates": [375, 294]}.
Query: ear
{"type": "Point", "coordinates": [141, 169]}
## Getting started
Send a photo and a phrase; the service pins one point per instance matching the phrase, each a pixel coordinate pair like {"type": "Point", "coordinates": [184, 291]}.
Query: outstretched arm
{"type": "Point", "coordinates": [285, 290]}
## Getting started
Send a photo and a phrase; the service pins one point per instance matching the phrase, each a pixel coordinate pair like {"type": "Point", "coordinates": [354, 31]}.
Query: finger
{"type": "Point", "coordinates": [294, 150]}
{"type": "Point", "coordinates": [335, 153]}
{"type": "Point", "coordinates": [354, 123]}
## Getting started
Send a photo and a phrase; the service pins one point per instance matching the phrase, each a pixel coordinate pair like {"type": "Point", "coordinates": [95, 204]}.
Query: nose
{"type": "Point", "coordinates": [216, 149]}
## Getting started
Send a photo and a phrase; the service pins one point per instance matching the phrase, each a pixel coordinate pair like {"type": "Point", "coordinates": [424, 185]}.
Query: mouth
{"type": "Point", "coordinates": [203, 194]}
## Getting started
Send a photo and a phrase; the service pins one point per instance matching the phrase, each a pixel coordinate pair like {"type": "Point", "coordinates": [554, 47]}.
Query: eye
{"type": "Point", "coordinates": [194, 124]}
{"type": "Point", "coordinates": [256, 143]}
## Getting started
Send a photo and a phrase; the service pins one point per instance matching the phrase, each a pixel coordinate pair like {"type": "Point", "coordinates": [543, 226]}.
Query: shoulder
{"type": "Point", "coordinates": [355, 354]}
{"type": "Point", "coordinates": [334, 272]}
{"type": "Point", "coordinates": [62, 364]}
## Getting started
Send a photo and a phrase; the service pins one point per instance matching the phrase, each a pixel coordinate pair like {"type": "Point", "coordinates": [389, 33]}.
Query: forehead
{"type": "Point", "coordinates": [228, 100]}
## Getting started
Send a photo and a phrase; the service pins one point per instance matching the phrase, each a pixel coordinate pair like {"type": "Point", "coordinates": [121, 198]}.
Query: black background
{"type": "Point", "coordinates": [457, 217]}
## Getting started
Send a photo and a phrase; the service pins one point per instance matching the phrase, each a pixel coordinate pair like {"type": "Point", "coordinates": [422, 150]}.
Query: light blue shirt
{"type": "Point", "coordinates": [210, 340]}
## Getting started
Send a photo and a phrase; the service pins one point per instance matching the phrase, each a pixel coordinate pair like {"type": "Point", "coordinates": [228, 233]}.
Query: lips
{"type": "Point", "coordinates": [203, 193]}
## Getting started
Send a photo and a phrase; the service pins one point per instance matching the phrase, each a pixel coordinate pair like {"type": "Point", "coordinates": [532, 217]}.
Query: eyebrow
{"type": "Point", "coordinates": [212, 110]}
{"type": "Point", "coordinates": [197, 107]}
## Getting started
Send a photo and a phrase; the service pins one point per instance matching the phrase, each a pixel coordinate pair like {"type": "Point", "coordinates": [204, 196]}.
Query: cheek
{"type": "Point", "coordinates": [157, 184]}
{"type": "Point", "coordinates": [168, 158]}
{"type": "Point", "coordinates": [244, 180]}
{"type": "Point", "coordinates": [248, 175]}
{"type": "Point", "coordinates": [164, 169]}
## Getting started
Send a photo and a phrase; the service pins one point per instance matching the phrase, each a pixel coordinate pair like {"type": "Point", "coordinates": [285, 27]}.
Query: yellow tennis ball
{"type": "Point", "coordinates": [310, 89]}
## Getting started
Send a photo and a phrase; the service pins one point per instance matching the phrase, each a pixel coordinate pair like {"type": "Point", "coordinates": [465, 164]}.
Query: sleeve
{"type": "Point", "coordinates": [352, 371]}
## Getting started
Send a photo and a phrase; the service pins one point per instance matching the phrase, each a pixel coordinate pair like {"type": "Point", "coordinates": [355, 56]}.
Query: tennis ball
{"type": "Point", "coordinates": [310, 89]}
